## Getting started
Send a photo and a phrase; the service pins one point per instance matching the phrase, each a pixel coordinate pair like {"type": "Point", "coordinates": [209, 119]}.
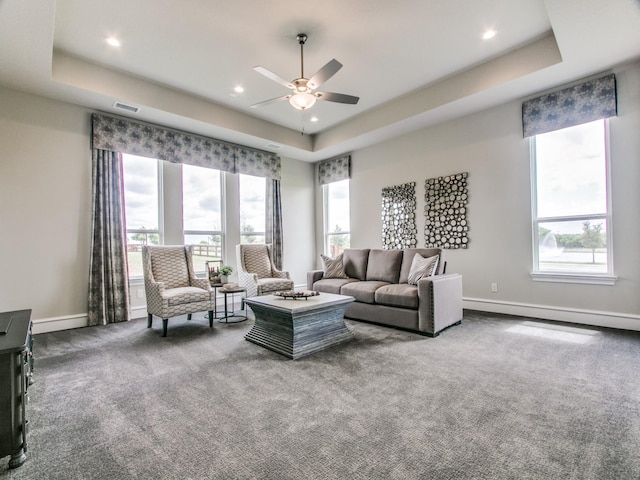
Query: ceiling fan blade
{"type": "Point", "coordinates": [337, 97]}
{"type": "Point", "coordinates": [271, 101]}
{"type": "Point", "coordinates": [324, 74]}
{"type": "Point", "coordinates": [273, 76]}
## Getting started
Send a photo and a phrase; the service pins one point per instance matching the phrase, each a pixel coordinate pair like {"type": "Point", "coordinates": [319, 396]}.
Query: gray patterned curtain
{"type": "Point", "coordinates": [273, 235]}
{"type": "Point", "coordinates": [587, 102]}
{"type": "Point", "coordinates": [108, 279]}
{"type": "Point", "coordinates": [334, 170]}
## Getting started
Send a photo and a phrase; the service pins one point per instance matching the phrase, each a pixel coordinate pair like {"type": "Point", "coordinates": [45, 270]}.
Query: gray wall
{"type": "Point", "coordinates": [45, 212]}
{"type": "Point", "coordinates": [489, 145]}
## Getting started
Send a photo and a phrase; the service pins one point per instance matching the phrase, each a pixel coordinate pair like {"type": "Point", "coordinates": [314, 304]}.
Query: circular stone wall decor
{"type": "Point", "coordinates": [445, 211]}
{"type": "Point", "coordinates": [398, 216]}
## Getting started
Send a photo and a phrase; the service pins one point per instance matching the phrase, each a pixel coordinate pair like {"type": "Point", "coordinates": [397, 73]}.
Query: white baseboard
{"type": "Point", "coordinates": [53, 324]}
{"type": "Point", "coordinates": [138, 312]}
{"type": "Point", "coordinates": [624, 321]}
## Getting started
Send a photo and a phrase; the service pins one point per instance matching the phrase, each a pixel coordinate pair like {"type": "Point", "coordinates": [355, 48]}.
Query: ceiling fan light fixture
{"type": "Point", "coordinates": [302, 100]}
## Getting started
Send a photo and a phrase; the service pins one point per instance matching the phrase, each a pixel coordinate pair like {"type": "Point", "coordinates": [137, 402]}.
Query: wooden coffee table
{"type": "Point", "coordinates": [295, 328]}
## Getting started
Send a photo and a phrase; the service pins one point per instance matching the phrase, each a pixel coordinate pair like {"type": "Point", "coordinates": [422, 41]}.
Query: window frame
{"type": "Point", "coordinates": [327, 232]}
{"type": "Point", "coordinates": [607, 278]}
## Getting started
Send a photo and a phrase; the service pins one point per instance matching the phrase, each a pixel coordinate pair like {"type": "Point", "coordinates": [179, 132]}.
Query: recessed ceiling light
{"type": "Point", "coordinates": [314, 119]}
{"type": "Point", "coordinates": [489, 34]}
{"type": "Point", "coordinates": [113, 41]}
{"type": "Point", "coordinates": [238, 89]}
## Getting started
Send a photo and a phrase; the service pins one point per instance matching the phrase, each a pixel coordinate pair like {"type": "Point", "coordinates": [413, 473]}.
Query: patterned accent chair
{"type": "Point", "coordinates": [256, 271]}
{"type": "Point", "coordinates": [171, 286]}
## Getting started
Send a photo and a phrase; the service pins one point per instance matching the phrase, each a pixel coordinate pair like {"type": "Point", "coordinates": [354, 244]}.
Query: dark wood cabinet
{"type": "Point", "coordinates": [16, 366]}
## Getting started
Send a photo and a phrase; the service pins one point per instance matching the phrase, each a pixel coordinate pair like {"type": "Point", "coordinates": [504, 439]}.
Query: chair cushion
{"type": "Point", "coordinates": [362, 291]}
{"type": "Point", "coordinates": [269, 285]}
{"type": "Point", "coordinates": [384, 265]}
{"type": "Point", "coordinates": [169, 266]}
{"type": "Point", "coordinates": [181, 295]}
{"type": "Point", "coordinates": [422, 267]}
{"type": "Point", "coordinates": [332, 267]}
{"type": "Point", "coordinates": [256, 260]}
{"type": "Point", "coordinates": [355, 262]}
{"type": "Point", "coordinates": [398, 295]}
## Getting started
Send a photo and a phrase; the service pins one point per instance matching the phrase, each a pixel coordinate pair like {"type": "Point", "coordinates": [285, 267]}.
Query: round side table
{"type": "Point", "coordinates": [230, 316]}
{"type": "Point", "coordinates": [216, 287]}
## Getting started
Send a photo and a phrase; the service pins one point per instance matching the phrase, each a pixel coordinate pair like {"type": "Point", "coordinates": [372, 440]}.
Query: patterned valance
{"type": "Point", "coordinates": [589, 101]}
{"type": "Point", "coordinates": [119, 134]}
{"type": "Point", "coordinates": [257, 163]}
{"type": "Point", "coordinates": [334, 170]}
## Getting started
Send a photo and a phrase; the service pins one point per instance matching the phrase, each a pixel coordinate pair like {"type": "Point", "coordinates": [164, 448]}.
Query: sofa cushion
{"type": "Point", "coordinates": [384, 265]}
{"type": "Point", "coordinates": [407, 260]}
{"type": "Point", "coordinates": [355, 262]}
{"type": "Point", "coordinates": [398, 295]}
{"type": "Point", "coordinates": [364, 292]}
{"type": "Point", "coordinates": [332, 285]}
{"type": "Point", "coordinates": [422, 267]}
{"type": "Point", "coordinates": [333, 267]}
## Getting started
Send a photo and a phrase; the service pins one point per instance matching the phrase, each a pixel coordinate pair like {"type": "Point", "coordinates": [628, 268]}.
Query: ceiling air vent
{"type": "Point", "coordinates": [274, 146]}
{"type": "Point", "coordinates": [128, 108]}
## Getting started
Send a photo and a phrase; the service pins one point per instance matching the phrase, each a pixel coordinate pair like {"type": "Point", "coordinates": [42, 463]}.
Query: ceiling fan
{"type": "Point", "coordinates": [303, 95]}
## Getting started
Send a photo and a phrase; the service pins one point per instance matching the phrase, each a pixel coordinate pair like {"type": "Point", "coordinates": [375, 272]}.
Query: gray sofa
{"type": "Point", "coordinates": [378, 280]}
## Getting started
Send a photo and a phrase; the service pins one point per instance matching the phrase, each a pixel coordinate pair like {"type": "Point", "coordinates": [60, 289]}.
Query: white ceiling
{"type": "Point", "coordinates": [411, 62]}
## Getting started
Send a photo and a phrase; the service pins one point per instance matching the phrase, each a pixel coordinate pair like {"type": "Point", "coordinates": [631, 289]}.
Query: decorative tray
{"type": "Point", "coordinates": [295, 295]}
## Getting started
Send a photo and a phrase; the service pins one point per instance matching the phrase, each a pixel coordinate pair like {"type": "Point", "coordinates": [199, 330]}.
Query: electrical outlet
{"type": "Point", "coordinates": [494, 287]}
{"type": "Point", "coordinates": [140, 294]}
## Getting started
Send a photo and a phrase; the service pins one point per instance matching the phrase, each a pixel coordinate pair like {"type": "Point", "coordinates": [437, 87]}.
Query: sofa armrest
{"type": "Point", "coordinates": [440, 302]}
{"type": "Point", "coordinates": [312, 277]}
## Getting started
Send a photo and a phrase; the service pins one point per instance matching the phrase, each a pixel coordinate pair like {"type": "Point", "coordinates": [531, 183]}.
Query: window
{"type": "Point", "coordinates": [141, 178]}
{"type": "Point", "coordinates": [336, 217]}
{"type": "Point", "coordinates": [571, 220]}
{"type": "Point", "coordinates": [202, 213]}
{"type": "Point", "coordinates": [252, 208]}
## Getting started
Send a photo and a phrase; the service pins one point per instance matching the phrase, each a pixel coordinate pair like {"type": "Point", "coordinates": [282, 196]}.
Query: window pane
{"type": "Point", "coordinates": [337, 243]}
{"type": "Point", "coordinates": [338, 206]}
{"type": "Point", "coordinates": [252, 238]}
{"type": "Point", "coordinates": [205, 248]}
{"type": "Point", "coordinates": [252, 208]}
{"type": "Point", "coordinates": [201, 199]}
{"type": "Point", "coordinates": [141, 198]}
{"type": "Point", "coordinates": [141, 192]}
{"type": "Point", "coordinates": [573, 246]}
{"type": "Point", "coordinates": [571, 171]}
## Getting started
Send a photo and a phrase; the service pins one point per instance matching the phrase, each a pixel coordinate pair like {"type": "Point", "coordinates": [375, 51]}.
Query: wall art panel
{"type": "Point", "coordinates": [399, 216]}
{"type": "Point", "coordinates": [445, 211]}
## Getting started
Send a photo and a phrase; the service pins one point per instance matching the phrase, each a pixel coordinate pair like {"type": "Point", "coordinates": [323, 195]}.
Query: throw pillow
{"type": "Point", "coordinates": [333, 267]}
{"type": "Point", "coordinates": [422, 267]}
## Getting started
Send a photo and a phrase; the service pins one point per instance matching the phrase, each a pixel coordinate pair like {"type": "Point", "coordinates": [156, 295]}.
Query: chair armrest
{"type": "Point", "coordinates": [202, 283]}
{"type": "Point", "coordinates": [312, 277]}
{"type": "Point", "coordinates": [279, 274]}
{"type": "Point", "coordinates": [247, 277]}
{"type": "Point", "coordinates": [440, 302]}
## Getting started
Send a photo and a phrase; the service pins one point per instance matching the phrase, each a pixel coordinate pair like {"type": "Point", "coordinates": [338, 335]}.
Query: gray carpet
{"type": "Point", "coordinates": [493, 398]}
